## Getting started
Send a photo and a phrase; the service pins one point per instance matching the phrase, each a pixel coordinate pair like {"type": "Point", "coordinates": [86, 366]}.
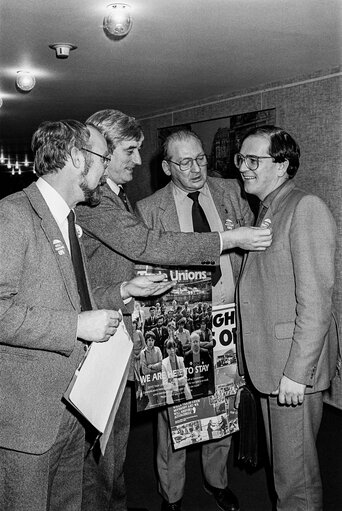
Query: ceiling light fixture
{"type": "Point", "coordinates": [25, 81]}
{"type": "Point", "coordinates": [118, 21]}
{"type": "Point", "coordinates": [62, 49]}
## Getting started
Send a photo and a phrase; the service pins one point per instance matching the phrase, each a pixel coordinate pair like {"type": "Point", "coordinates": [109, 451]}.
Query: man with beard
{"type": "Point", "coordinates": [46, 320]}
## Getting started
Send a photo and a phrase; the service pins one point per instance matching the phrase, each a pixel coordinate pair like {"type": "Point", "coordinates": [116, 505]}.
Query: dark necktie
{"type": "Point", "coordinates": [199, 219]}
{"type": "Point", "coordinates": [77, 262]}
{"type": "Point", "coordinates": [261, 215]}
{"type": "Point", "coordinates": [201, 224]}
{"type": "Point", "coordinates": [123, 197]}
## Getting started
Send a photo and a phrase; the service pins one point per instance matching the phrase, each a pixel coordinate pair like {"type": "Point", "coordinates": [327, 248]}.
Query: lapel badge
{"type": "Point", "coordinates": [229, 224]}
{"type": "Point", "coordinates": [59, 247]}
{"type": "Point", "coordinates": [79, 231]}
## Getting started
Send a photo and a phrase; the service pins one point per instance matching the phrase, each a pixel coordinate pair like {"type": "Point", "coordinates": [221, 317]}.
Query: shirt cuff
{"type": "Point", "coordinates": [221, 243]}
{"type": "Point", "coordinates": [125, 300]}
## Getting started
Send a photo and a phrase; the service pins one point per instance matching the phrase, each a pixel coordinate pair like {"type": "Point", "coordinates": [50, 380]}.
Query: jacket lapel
{"type": "Point", "coordinates": [222, 202]}
{"type": "Point", "coordinates": [271, 212]}
{"type": "Point", "coordinates": [168, 211]}
{"type": "Point", "coordinates": [56, 241]}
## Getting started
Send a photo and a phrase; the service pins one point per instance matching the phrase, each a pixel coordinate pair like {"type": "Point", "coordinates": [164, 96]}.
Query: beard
{"type": "Point", "coordinates": [91, 196]}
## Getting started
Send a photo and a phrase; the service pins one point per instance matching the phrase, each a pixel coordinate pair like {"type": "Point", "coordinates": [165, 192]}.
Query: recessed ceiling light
{"type": "Point", "coordinates": [25, 81]}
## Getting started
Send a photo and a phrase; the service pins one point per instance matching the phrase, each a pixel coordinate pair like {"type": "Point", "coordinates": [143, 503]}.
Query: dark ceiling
{"type": "Point", "coordinates": [178, 52]}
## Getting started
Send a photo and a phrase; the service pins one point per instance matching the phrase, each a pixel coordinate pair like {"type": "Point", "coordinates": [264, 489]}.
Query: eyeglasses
{"type": "Point", "coordinates": [187, 163]}
{"type": "Point", "coordinates": [251, 161]}
{"type": "Point", "coordinates": [105, 159]}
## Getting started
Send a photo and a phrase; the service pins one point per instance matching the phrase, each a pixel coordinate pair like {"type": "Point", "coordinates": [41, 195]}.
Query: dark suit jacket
{"type": "Point", "coordinates": [201, 382]}
{"type": "Point", "coordinates": [159, 211]}
{"type": "Point", "coordinates": [39, 306]}
{"type": "Point", "coordinates": [286, 296]}
{"type": "Point", "coordinates": [160, 337]}
{"type": "Point", "coordinates": [150, 323]}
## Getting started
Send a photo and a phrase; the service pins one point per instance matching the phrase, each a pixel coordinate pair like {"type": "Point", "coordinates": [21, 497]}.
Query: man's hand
{"type": "Point", "coordinates": [247, 238]}
{"type": "Point", "coordinates": [97, 325]}
{"type": "Point", "coordinates": [146, 285]}
{"type": "Point", "coordinates": [290, 392]}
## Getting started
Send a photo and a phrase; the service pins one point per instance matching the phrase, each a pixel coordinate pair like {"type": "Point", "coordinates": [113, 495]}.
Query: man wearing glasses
{"type": "Point", "coordinates": [285, 302]}
{"type": "Point", "coordinates": [192, 201]}
{"type": "Point", "coordinates": [114, 237]}
{"type": "Point", "coordinates": [46, 319]}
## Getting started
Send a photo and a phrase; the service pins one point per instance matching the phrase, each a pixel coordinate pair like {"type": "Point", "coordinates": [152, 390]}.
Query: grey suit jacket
{"type": "Point", "coordinates": [159, 210]}
{"type": "Point", "coordinates": [121, 231]}
{"type": "Point", "coordinates": [286, 296]}
{"type": "Point", "coordinates": [39, 306]}
{"type": "Point", "coordinates": [107, 268]}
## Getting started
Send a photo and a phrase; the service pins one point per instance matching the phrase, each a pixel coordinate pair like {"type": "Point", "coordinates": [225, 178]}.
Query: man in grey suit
{"type": "Point", "coordinates": [285, 303]}
{"type": "Point", "coordinates": [171, 208]}
{"type": "Point", "coordinates": [114, 238]}
{"type": "Point", "coordinates": [44, 323]}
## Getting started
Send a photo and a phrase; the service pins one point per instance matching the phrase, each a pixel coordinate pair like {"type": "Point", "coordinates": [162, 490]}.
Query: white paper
{"type": "Point", "coordinates": [100, 381]}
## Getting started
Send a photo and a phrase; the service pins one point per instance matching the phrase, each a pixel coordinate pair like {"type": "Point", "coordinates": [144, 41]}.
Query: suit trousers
{"type": "Point", "coordinates": [50, 481]}
{"type": "Point", "coordinates": [171, 464]}
{"type": "Point", "coordinates": [103, 476]}
{"type": "Point", "coordinates": [291, 433]}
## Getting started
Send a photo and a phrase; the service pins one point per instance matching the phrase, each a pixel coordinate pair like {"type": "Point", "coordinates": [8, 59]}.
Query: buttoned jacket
{"type": "Point", "coordinates": [285, 296]}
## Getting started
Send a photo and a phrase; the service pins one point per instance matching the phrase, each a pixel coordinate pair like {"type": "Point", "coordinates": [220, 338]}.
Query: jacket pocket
{"type": "Point", "coordinates": [284, 330]}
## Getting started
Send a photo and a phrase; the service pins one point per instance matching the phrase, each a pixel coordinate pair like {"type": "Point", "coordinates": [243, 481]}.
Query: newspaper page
{"type": "Point", "coordinates": [165, 376]}
{"type": "Point", "coordinates": [214, 416]}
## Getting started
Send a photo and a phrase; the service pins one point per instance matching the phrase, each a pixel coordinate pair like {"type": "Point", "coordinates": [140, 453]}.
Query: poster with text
{"type": "Point", "coordinates": [213, 416]}
{"type": "Point", "coordinates": [164, 375]}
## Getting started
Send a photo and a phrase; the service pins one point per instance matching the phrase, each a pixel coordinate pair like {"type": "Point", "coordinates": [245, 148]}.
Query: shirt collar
{"type": "Point", "coordinates": [113, 186]}
{"type": "Point", "coordinates": [271, 196]}
{"type": "Point", "coordinates": [182, 195]}
{"type": "Point", "coordinates": [55, 202]}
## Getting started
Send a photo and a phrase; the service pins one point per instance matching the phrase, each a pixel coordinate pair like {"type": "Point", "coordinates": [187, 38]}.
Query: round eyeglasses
{"type": "Point", "coordinates": [251, 161]}
{"type": "Point", "coordinates": [187, 163]}
{"type": "Point", "coordinates": [105, 159]}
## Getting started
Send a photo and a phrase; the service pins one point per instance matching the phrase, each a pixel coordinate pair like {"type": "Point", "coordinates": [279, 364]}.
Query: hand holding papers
{"type": "Point", "coordinates": [99, 382]}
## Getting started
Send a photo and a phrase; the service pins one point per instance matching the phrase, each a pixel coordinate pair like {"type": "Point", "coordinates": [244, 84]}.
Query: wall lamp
{"type": "Point", "coordinates": [118, 21]}
{"type": "Point", "coordinates": [25, 81]}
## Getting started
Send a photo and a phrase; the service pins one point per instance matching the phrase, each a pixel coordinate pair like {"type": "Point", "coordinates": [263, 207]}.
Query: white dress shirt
{"type": "Point", "coordinates": [58, 207]}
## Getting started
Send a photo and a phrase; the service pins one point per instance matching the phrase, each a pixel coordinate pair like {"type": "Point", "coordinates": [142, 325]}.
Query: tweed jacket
{"type": "Point", "coordinates": [159, 211]}
{"type": "Point", "coordinates": [285, 296]}
{"type": "Point", "coordinates": [107, 268]}
{"type": "Point", "coordinates": [39, 306]}
{"type": "Point", "coordinates": [123, 232]}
